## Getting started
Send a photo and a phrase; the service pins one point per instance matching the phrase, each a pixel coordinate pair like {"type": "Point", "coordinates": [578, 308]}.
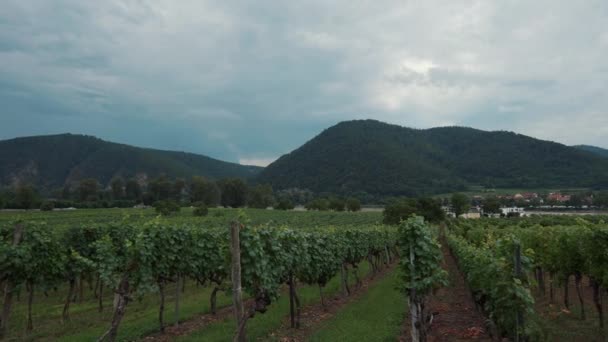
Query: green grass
{"type": "Point", "coordinates": [377, 316]}
{"type": "Point", "coordinates": [86, 324]}
{"type": "Point", "coordinates": [216, 217]}
{"type": "Point", "coordinates": [262, 325]}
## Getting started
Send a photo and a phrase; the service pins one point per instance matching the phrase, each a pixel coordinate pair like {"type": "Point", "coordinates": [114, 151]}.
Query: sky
{"type": "Point", "coordinates": [247, 81]}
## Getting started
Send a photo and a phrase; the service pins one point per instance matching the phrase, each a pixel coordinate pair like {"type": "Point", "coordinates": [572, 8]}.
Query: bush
{"type": "Point", "coordinates": [318, 204]}
{"type": "Point", "coordinates": [353, 204]}
{"type": "Point", "coordinates": [167, 207]}
{"type": "Point", "coordinates": [337, 204]}
{"type": "Point", "coordinates": [284, 204]}
{"type": "Point", "coordinates": [200, 209]}
{"type": "Point", "coordinates": [399, 210]}
{"type": "Point", "coordinates": [47, 206]}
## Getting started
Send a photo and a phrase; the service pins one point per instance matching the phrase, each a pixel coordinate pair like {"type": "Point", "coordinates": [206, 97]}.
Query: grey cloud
{"type": "Point", "coordinates": [243, 80]}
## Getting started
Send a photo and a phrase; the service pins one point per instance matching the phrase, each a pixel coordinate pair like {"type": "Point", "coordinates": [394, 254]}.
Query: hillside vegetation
{"type": "Point", "coordinates": [53, 160]}
{"type": "Point", "coordinates": [368, 156]}
{"type": "Point", "coordinates": [593, 149]}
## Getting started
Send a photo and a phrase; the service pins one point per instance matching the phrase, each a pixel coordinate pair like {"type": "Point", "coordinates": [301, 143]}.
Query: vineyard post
{"type": "Point", "coordinates": [177, 291]}
{"type": "Point", "coordinates": [237, 297]}
{"type": "Point", "coordinates": [8, 287]}
{"type": "Point", "coordinates": [520, 326]}
{"type": "Point", "coordinates": [413, 302]}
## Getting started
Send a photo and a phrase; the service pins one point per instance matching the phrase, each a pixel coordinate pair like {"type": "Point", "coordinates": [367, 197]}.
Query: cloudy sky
{"type": "Point", "coordinates": [250, 80]}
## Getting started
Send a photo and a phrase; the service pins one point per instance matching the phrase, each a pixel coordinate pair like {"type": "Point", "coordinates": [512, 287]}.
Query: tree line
{"type": "Point", "coordinates": [169, 195]}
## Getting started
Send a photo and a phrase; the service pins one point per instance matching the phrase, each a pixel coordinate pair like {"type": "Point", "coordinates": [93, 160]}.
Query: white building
{"type": "Point", "coordinates": [512, 210]}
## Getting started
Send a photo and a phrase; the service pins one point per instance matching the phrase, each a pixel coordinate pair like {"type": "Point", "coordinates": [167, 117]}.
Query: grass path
{"type": "Point", "coordinates": [262, 326]}
{"type": "Point", "coordinates": [376, 316]}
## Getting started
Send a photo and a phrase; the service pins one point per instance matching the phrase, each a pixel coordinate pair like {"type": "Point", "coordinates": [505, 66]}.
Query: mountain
{"type": "Point", "coordinates": [593, 149]}
{"type": "Point", "coordinates": [368, 156]}
{"type": "Point", "coordinates": [53, 160]}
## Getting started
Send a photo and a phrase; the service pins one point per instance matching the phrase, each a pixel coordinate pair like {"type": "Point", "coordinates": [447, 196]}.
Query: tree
{"type": "Point", "coordinates": [176, 190]}
{"type": "Point", "coordinates": [88, 190]}
{"type": "Point", "coordinates": [200, 209]}
{"type": "Point", "coordinates": [337, 204]}
{"type": "Point", "coordinates": [66, 192]}
{"type": "Point", "coordinates": [206, 191]}
{"type": "Point", "coordinates": [234, 192]}
{"type": "Point", "coordinates": [320, 204]}
{"type": "Point", "coordinates": [430, 209]}
{"type": "Point", "coordinates": [166, 207]}
{"type": "Point", "coordinates": [133, 190]}
{"type": "Point", "coordinates": [601, 199]}
{"type": "Point", "coordinates": [402, 209]}
{"type": "Point", "coordinates": [284, 204]}
{"type": "Point", "coordinates": [260, 196]}
{"type": "Point", "coordinates": [117, 185]}
{"type": "Point", "coordinates": [491, 205]}
{"type": "Point", "coordinates": [26, 196]}
{"type": "Point", "coordinates": [160, 188]}
{"type": "Point", "coordinates": [353, 204]}
{"type": "Point", "coordinates": [47, 206]}
{"type": "Point", "coordinates": [460, 204]}
{"type": "Point", "coordinates": [399, 210]}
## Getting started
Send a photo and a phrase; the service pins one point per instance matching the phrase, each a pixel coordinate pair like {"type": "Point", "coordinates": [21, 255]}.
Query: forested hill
{"type": "Point", "coordinates": [382, 159]}
{"type": "Point", "coordinates": [53, 160]}
{"type": "Point", "coordinates": [593, 149]}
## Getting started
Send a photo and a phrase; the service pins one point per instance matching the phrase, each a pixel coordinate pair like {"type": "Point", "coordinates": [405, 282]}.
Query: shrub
{"type": "Point", "coordinates": [318, 204]}
{"type": "Point", "coordinates": [47, 206]}
{"type": "Point", "coordinates": [353, 204]}
{"type": "Point", "coordinates": [337, 204]}
{"type": "Point", "coordinates": [200, 209]}
{"type": "Point", "coordinates": [284, 204]}
{"type": "Point", "coordinates": [167, 207]}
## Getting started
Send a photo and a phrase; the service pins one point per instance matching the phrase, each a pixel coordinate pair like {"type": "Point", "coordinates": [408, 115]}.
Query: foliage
{"type": "Point", "coordinates": [56, 157]}
{"type": "Point", "coordinates": [401, 209]}
{"type": "Point", "coordinates": [88, 190]}
{"type": "Point", "coordinates": [320, 204]}
{"type": "Point", "coordinates": [337, 204]}
{"type": "Point", "coordinates": [491, 205]}
{"type": "Point", "coordinates": [284, 204]}
{"type": "Point", "coordinates": [353, 204]}
{"type": "Point", "coordinates": [200, 209]}
{"type": "Point", "coordinates": [117, 184]}
{"type": "Point", "coordinates": [260, 196]}
{"type": "Point", "coordinates": [390, 160]}
{"type": "Point", "coordinates": [234, 192]}
{"type": "Point", "coordinates": [203, 190]}
{"type": "Point", "coordinates": [167, 207]}
{"type": "Point", "coordinates": [133, 190]}
{"type": "Point", "coordinates": [26, 197]}
{"type": "Point", "coordinates": [460, 204]}
{"type": "Point", "coordinates": [47, 206]}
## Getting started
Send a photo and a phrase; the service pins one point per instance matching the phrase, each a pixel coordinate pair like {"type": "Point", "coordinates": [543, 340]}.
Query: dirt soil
{"type": "Point", "coordinates": [455, 316]}
{"type": "Point", "coordinates": [315, 314]}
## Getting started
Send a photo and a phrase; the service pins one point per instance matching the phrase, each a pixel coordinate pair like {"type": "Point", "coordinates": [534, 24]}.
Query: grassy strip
{"type": "Point", "coordinates": [377, 316]}
{"type": "Point", "coordinates": [142, 317]}
{"type": "Point", "coordinates": [86, 324]}
{"type": "Point", "coordinates": [260, 326]}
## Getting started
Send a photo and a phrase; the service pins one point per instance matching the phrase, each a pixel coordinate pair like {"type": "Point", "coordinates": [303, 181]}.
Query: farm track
{"type": "Point", "coordinates": [315, 314]}
{"type": "Point", "coordinates": [456, 316]}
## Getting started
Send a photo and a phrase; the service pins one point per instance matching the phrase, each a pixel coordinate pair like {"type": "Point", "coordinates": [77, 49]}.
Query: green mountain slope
{"type": "Point", "coordinates": [381, 159]}
{"type": "Point", "coordinates": [593, 149]}
{"type": "Point", "coordinates": [53, 160]}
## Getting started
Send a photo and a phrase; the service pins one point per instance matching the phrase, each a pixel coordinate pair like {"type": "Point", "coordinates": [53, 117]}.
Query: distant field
{"type": "Point", "coordinates": [216, 216]}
